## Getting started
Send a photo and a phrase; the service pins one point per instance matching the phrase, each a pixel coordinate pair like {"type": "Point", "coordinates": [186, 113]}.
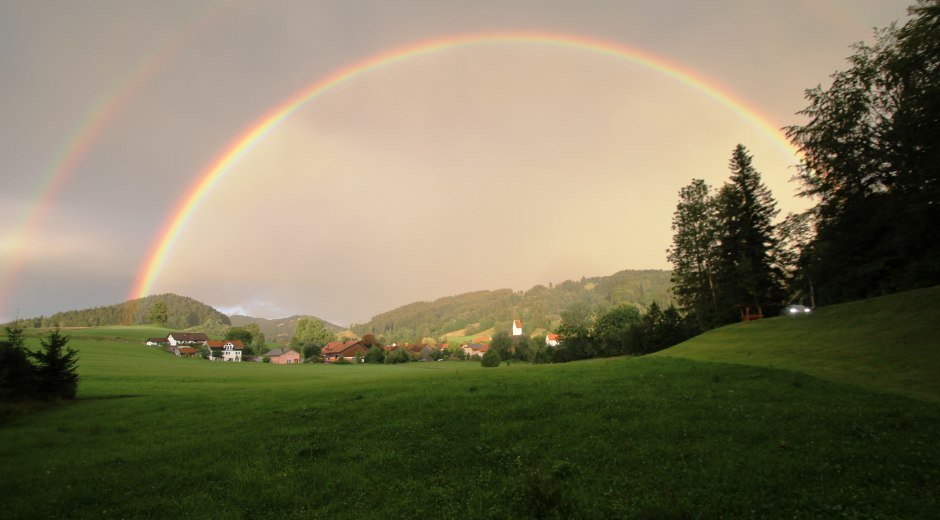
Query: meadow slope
{"type": "Point", "coordinates": [890, 343]}
{"type": "Point", "coordinates": [659, 436]}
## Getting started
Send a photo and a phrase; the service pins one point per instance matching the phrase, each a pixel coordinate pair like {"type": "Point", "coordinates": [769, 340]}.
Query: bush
{"type": "Point", "coordinates": [491, 358]}
{"type": "Point", "coordinates": [52, 376]}
{"type": "Point", "coordinates": [375, 355]}
{"type": "Point", "coordinates": [398, 355]}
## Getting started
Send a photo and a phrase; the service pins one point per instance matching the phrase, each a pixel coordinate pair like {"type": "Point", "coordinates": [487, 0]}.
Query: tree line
{"type": "Point", "coordinates": [870, 158]}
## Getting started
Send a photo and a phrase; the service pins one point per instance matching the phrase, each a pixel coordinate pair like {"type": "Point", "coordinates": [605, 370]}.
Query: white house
{"type": "Point", "coordinates": [227, 350]}
{"type": "Point", "coordinates": [551, 340]}
{"type": "Point", "coordinates": [516, 328]}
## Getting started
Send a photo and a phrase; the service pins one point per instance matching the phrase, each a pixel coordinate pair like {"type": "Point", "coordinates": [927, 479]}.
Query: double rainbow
{"type": "Point", "coordinates": [219, 168]}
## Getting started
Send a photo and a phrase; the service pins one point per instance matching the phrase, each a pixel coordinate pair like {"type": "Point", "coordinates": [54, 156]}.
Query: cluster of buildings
{"type": "Point", "coordinates": [187, 344]}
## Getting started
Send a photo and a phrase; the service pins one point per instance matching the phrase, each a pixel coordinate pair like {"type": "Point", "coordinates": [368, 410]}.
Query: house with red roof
{"type": "Point", "coordinates": [552, 340]}
{"type": "Point", "coordinates": [347, 350]}
{"type": "Point", "coordinates": [226, 350]}
{"type": "Point", "coordinates": [283, 356]}
{"type": "Point", "coordinates": [184, 351]}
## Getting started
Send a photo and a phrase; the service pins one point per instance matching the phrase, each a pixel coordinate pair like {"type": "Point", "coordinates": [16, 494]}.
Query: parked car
{"type": "Point", "coordinates": [793, 310]}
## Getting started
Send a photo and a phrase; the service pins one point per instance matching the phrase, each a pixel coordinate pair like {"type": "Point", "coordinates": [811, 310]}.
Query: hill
{"type": "Point", "coordinates": [887, 343]}
{"type": "Point", "coordinates": [539, 308]}
{"type": "Point", "coordinates": [182, 313]}
{"type": "Point", "coordinates": [279, 330]}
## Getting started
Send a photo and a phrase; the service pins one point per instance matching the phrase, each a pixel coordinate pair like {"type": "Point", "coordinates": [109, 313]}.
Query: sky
{"type": "Point", "coordinates": [490, 163]}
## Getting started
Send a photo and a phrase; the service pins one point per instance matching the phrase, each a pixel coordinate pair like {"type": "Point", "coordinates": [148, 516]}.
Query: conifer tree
{"type": "Point", "coordinates": [747, 270]}
{"type": "Point", "coordinates": [56, 376]}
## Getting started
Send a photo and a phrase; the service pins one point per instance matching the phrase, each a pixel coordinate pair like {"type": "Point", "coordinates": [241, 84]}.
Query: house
{"type": "Point", "coordinates": [283, 356]}
{"type": "Point", "coordinates": [184, 351]}
{"type": "Point", "coordinates": [226, 350]}
{"type": "Point", "coordinates": [420, 351]}
{"type": "Point", "coordinates": [516, 328]}
{"type": "Point", "coordinates": [156, 342]}
{"type": "Point", "coordinates": [347, 350]}
{"type": "Point", "coordinates": [475, 349]}
{"type": "Point", "coordinates": [552, 340]}
{"type": "Point", "coordinates": [187, 338]}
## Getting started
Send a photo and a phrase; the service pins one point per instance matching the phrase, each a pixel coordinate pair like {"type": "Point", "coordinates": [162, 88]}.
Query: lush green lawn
{"type": "Point", "coordinates": [890, 343]}
{"type": "Point", "coordinates": [155, 435]}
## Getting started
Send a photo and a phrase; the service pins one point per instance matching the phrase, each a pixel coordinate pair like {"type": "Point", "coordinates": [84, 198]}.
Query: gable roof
{"type": "Point", "coordinates": [187, 350]}
{"type": "Point", "coordinates": [280, 352]}
{"type": "Point", "coordinates": [236, 343]}
{"type": "Point", "coordinates": [338, 347]}
{"type": "Point", "coordinates": [552, 337]}
{"type": "Point", "coordinates": [517, 324]}
{"type": "Point", "coordinates": [188, 336]}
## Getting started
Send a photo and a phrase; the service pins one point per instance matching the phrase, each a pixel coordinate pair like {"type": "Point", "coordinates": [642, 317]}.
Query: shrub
{"type": "Point", "coordinates": [398, 355]}
{"type": "Point", "coordinates": [375, 355]}
{"type": "Point", "coordinates": [491, 358]}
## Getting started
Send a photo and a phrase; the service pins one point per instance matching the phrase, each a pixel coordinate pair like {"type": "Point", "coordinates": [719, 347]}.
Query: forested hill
{"type": "Point", "coordinates": [181, 312]}
{"type": "Point", "coordinates": [539, 308]}
{"type": "Point", "coordinates": [279, 330]}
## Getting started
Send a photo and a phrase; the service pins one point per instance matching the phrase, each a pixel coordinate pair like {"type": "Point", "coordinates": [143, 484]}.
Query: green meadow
{"type": "Point", "coordinates": [835, 414]}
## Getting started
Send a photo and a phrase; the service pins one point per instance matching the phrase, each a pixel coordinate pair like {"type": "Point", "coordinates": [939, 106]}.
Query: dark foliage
{"type": "Point", "coordinates": [872, 162]}
{"type": "Point", "coordinates": [491, 358]}
{"type": "Point", "coordinates": [51, 375]}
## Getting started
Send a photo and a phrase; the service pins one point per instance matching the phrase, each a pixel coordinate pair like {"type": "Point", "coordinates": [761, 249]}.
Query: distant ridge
{"type": "Point", "coordinates": [182, 312]}
{"type": "Point", "coordinates": [539, 308]}
{"type": "Point", "coordinates": [279, 330]}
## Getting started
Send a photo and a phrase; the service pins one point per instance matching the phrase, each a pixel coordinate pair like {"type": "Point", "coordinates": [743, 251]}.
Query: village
{"type": "Point", "coordinates": [354, 350]}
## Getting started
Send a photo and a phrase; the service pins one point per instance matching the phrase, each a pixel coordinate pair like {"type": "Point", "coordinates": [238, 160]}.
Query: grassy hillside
{"type": "Point", "coordinates": [279, 330]}
{"type": "Point", "coordinates": [155, 435]}
{"type": "Point", "coordinates": [888, 343]}
{"type": "Point", "coordinates": [539, 308]}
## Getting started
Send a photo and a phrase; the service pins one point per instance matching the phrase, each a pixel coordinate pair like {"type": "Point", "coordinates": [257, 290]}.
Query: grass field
{"type": "Point", "coordinates": [659, 436]}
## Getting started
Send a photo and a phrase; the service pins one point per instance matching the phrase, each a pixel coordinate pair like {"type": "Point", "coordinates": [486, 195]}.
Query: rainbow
{"type": "Point", "coordinates": [81, 141]}
{"type": "Point", "coordinates": [241, 145]}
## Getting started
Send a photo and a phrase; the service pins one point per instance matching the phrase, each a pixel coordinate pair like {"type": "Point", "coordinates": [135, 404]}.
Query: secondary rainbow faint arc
{"type": "Point", "coordinates": [222, 164]}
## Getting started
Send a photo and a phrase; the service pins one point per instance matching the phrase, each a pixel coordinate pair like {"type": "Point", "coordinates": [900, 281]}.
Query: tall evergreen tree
{"type": "Point", "coordinates": [747, 271]}
{"type": "Point", "coordinates": [694, 252]}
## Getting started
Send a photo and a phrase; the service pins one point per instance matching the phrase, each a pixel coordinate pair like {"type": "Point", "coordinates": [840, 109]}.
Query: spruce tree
{"type": "Point", "coordinates": [56, 376]}
{"type": "Point", "coordinates": [693, 253]}
{"type": "Point", "coordinates": [747, 272]}
{"type": "Point", "coordinates": [17, 374]}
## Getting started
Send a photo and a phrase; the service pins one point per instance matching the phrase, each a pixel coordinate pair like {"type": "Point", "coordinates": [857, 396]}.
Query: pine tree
{"type": "Point", "coordinates": [56, 375]}
{"type": "Point", "coordinates": [17, 374]}
{"type": "Point", "coordinates": [747, 270]}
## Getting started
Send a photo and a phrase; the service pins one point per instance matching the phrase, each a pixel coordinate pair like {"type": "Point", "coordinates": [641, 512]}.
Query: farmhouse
{"type": "Point", "coordinates": [187, 338]}
{"type": "Point", "coordinates": [156, 342]}
{"type": "Point", "coordinates": [283, 356]}
{"type": "Point", "coordinates": [226, 350]}
{"type": "Point", "coordinates": [552, 340]}
{"type": "Point", "coordinates": [347, 350]}
{"type": "Point", "coordinates": [184, 351]}
{"type": "Point", "coordinates": [475, 349]}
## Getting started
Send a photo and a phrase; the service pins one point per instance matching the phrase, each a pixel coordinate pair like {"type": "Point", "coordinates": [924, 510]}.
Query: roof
{"type": "Point", "coordinates": [157, 340]}
{"type": "Point", "coordinates": [516, 323]}
{"type": "Point", "coordinates": [236, 343]}
{"type": "Point", "coordinates": [552, 336]}
{"type": "Point", "coordinates": [188, 336]}
{"type": "Point", "coordinates": [338, 347]}
{"type": "Point", "coordinates": [279, 352]}
{"type": "Point", "coordinates": [187, 350]}
{"type": "Point", "coordinates": [479, 346]}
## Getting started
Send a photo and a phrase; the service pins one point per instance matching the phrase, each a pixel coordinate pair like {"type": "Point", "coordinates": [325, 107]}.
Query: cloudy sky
{"type": "Point", "coordinates": [480, 166]}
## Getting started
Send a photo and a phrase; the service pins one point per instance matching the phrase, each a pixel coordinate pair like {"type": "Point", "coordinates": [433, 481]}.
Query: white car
{"type": "Point", "coordinates": [793, 310]}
